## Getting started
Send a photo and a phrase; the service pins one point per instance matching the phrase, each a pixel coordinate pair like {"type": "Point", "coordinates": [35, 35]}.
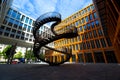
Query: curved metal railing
{"type": "Point", "coordinates": [42, 42]}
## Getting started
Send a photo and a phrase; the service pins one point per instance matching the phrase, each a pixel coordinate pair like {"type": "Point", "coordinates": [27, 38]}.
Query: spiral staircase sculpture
{"type": "Point", "coordinates": [42, 42]}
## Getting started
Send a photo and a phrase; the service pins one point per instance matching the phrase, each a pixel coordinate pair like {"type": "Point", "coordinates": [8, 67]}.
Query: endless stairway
{"type": "Point", "coordinates": [42, 42]}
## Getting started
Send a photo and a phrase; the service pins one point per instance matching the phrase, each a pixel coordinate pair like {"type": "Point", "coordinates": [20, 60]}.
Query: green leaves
{"type": "Point", "coordinates": [18, 55]}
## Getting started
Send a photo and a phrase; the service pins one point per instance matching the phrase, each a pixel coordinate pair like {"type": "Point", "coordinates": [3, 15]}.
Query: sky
{"type": "Point", "coordinates": [35, 8]}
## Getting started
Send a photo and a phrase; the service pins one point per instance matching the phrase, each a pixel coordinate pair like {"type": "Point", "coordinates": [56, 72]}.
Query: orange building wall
{"type": "Point", "coordinates": [91, 46]}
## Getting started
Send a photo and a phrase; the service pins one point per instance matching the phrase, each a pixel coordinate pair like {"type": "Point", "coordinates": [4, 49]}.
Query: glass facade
{"type": "Point", "coordinates": [16, 25]}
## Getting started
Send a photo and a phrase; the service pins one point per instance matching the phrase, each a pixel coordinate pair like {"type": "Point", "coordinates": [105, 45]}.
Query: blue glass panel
{"type": "Point", "coordinates": [95, 15]}
{"type": "Point", "coordinates": [97, 22]}
{"type": "Point", "coordinates": [87, 19]}
{"type": "Point", "coordinates": [20, 25]}
{"type": "Point", "coordinates": [100, 32]}
{"type": "Point", "coordinates": [92, 7]}
{"type": "Point", "coordinates": [16, 22]}
{"type": "Point", "coordinates": [11, 21]}
{"type": "Point", "coordinates": [23, 18]}
{"type": "Point", "coordinates": [81, 28]}
{"type": "Point", "coordinates": [92, 24]}
{"type": "Point", "coordinates": [29, 27]}
{"type": "Point", "coordinates": [9, 12]}
{"type": "Point", "coordinates": [90, 16]}
{"type": "Point", "coordinates": [6, 20]}
{"type": "Point", "coordinates": [88, 25]}
{"type": "Point", "coordinates": [88, 9]}
{"type": "Point", "coordinates": [18, 16]}
{"type": "Point", "coordinates": [14, 13]}
{"type": "Point", "coordinates": [30, 22]}
{"type": "Point", "coordinates": [85, 27]}
{"type": "Point", "coordinates": [26, 21]}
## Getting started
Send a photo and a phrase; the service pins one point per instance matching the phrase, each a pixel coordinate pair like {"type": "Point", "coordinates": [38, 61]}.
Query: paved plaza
{"type": "Point", "coordinates": [62, 72]}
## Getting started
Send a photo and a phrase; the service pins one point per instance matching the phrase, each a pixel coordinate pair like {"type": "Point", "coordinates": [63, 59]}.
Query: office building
{"type": "Point", "coordinates": [109, 14]}
{"type": "Point", "coordinates": [4, 6]}
{"type": "Point", "coordinates": [91, 46]}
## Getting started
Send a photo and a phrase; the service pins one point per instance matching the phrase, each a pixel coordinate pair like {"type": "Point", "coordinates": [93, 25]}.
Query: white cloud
{"type": "Point", "coordinates": [35, 8]}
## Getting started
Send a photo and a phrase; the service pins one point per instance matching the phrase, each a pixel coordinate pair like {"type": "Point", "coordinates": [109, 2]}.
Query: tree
{"type": "Point", "coordinates": [18, 55]}
{"type": "Point", "coordinates": [6, 51]}
{"type": "Point", "coordinates": [29, 55]}
{"type": "Point", "coordinates": [1, 54]}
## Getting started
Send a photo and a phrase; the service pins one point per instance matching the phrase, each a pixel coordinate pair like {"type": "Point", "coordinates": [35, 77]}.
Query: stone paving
{"type": "Point", "coordinates": [62, 72]}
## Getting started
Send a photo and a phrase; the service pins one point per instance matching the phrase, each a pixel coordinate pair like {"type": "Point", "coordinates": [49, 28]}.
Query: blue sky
{"type": "Point", "coordinates": [35, 8]}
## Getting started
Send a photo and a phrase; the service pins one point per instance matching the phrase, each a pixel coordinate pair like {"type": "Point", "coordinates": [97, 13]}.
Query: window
{"type": "Point", "coordinates": [99, 57]}
{"type": "Point", "coordinates": [26, 38]}
{"type": "Point", "coordinates": [16, 24]}
{"type": "Point", "coordinates": [88, 57]}
{"type": "Point", "coordinates": [95, 15]}
{"type": "Point", "coordinates": [79, 21]}
{"type": "Point", "coordinates": [109, 41]}
{"type": "Point", "coordinates": [97, 43]}
{"type": "Point", "coordinates": [79, 39]}
{"type": "Point", "coordinates": [33, 23]}
{"type": "Point", "coordinates": [84, 45]}
{"type": "Point", "coordinates": [30, 22]}
{"type": "Point", "coordinates": [10, 23]}
{"type": "Point", "coordinates": [90, 34]}
{"type": "Point", "coordinates": [6, 34]}
{"type": "Point", "coordinates": [88, 44]}
{"type": "Point", "coordinates": [23, 18]}
{"type": "Point", "coordinates": [81, 28]}
{"type": "Point", "coordinates": [88, 9]}
{"type": "Point", "coordinates": [25, 27]}
{"type": "Point", "coordinates": [73, 58]}
{"type": "Point", "coordinates": [17, 36]}
{"type": "Point", "coordinates": [9, 12]}
{"type": "Point", "coordinates": [97, 23]}
{"type": "Point", "coordinates": [88, 26]}
{"type": "Point", "coordinates": [76, 23]}
{"type": "Point", "coordinates": [6, 20]}
{"type": "Point", "coordinates": [27, 35]}
{"type": "Point", "coordinates": [103, 42]}
{"type": "Point", "coordinates": [87, 19]}
{"type": "Point", "coordinates": [13, 31]}
{"type": "Point", "coordinates": [32, 30]}
{"type": "Point", "coordinates": [94, 32]}
{"type": "Point", "coordinates": [90, 16]}
{"type": "Point", "coordinates": [29, 27]}
{"type": "Point", "coordinates": [82, 20]}
{"type": "Point", "coordinates": [93, 25]}
{"type": "Point", "coordinates": [14, 13]}
{"type": "Point", "coordinates": [20, 26]}
{"type": "Point", "coordinates": [86, 36]}
{"type": "Point", "coordinates": [80, 58]}
{"type": "Point", "coordinates": [18, 16]}
{"type": "Point", "coordinates": [23, 33]}
{"type": "Point", "coordinates": [85, 11]}
{"type": "Point", "coordinates": [12, 35]}
{"type": "Point", "coordinates": [82, 12]}
{"type": "Point", "coordinates": [8, 29]}
{"type": "Point", "coordinates": [2, 28]}
{"type": "Point", "coordinates": [82, 36]}
{"type": "Point", "coordinates": [76, 46]}
{"type": "Point", "coordinates": [18, 32]}
{"type": "Point", "coordinates": [26, 21]}
{"type": "Point", "coordinates": [81, 44]}
{"type": "Point", "coordinates": [92, 43]}
{"type": "Point", "coordinates": [85, 27]}
{"type": "Point", "coordinates": [92, 7]}
{"type": "Point", "coordinates": [100, 32]}
{"type": "Point", "coordinates": [110, 56]}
